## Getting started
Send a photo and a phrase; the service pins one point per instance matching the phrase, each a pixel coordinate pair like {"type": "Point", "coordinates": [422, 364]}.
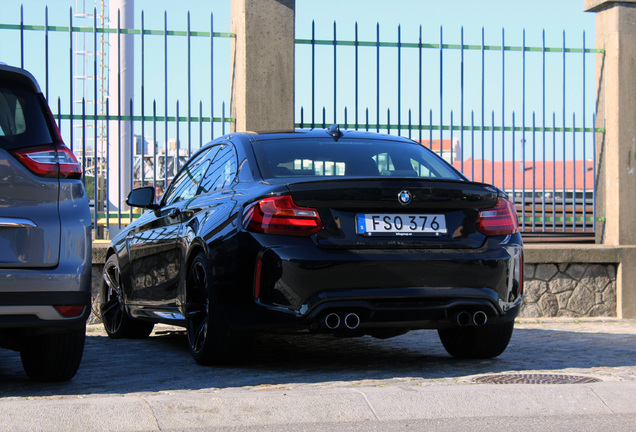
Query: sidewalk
{"type": "Point", "coordinates": [153, 384]}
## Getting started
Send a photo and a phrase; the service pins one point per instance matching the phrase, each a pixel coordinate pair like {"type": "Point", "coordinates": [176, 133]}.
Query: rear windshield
{"type": "Point", "coordinates": [22, 120]}
{"type": "Point", "coordinates": [311, 157]}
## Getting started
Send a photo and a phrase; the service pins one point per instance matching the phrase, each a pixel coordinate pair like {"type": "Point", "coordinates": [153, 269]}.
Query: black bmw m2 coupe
{"type": "Point", "coordinates": [330, 231]}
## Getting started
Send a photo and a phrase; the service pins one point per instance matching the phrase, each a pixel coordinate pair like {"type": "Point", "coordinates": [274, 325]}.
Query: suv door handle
{"type": "Point", "coordinates": [174, 213]}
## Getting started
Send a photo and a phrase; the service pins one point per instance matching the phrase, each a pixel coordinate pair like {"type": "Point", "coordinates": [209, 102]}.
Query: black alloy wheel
{"type": "Point", "coordinates": [116, 321]}
{"type": "Point", "coordinates": [209, 339]}
{"type": "Point", "coordinates": [198, 305]}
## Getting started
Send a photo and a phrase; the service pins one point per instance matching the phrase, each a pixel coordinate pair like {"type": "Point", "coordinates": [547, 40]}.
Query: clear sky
{"type": "Point", "coordinates": [445, 17]}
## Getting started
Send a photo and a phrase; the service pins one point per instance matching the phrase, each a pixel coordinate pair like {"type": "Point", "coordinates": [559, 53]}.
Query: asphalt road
{"type": "Point", "coordinates": [323, 383]}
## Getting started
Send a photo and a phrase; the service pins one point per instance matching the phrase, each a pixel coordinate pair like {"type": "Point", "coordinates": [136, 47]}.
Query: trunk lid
{"type": "Point", "coordinates": [29, 214]}
{"type": "Point", "coordinates": [29, 217]}
{"type": "Point", "coordinates": [396, 213]}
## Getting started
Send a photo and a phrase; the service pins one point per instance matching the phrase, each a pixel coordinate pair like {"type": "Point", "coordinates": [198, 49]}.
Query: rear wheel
{"type": "Point", "coordinates": [54, 357]}
{"type": "Point", "coordinates": [209, 339]}
{"type": "Point", "coordinates": [116, 321]}
{"type": "Point", "coordinates": [482, 342]}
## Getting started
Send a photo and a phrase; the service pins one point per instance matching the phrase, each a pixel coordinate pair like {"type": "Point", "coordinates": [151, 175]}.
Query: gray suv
{"type": "Point", "coordinates": [45, 235]}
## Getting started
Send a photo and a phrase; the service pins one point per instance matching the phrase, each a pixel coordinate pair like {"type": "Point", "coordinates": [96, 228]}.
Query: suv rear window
{"type": "Point", "coordinates": [349, 158]}
{"type": "Point", "coordinates": [22, 118]}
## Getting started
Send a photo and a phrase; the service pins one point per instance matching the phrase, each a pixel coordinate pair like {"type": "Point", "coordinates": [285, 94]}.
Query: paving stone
{"type": "Point", "coordinates": [603, 348]}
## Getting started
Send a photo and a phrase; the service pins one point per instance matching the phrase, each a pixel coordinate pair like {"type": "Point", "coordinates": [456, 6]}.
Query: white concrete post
{"type": "Point", "coordinates": [120, 90]}
{"type": "Point", "coordinates": [263, 65]}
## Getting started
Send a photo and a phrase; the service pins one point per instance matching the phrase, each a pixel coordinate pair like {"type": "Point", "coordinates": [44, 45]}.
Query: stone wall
{"type": "Point", "coordinates": [569, 290]}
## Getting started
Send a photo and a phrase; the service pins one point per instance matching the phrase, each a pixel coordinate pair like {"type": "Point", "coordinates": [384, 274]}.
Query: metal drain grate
{"type": "Point", "coordinates": [534, 379]}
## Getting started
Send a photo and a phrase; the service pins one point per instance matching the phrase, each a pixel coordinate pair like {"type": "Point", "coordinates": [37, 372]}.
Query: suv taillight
{"type": "Point", "coordinates": [280, 215]}
{"type": "Point", "coordinates": [499, 220]}
{"type": "Point", "coordinates": [51, 162]}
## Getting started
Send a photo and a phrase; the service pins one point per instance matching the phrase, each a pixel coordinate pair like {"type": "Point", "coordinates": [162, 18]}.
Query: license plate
{"type": "Point", "coordinates": [400, 224]}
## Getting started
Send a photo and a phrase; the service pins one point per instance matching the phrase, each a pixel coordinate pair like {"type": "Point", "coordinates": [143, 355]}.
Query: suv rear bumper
{"type": "Point", "coordinates": [37, 309]}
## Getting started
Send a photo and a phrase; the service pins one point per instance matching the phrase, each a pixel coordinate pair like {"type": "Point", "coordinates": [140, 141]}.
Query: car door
{"type": "Point", "coordinates": [157, 247]}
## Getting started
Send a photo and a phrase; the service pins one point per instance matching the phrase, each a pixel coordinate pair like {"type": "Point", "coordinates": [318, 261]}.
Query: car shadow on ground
{"type": "Point", "coordinates": [162, 362]}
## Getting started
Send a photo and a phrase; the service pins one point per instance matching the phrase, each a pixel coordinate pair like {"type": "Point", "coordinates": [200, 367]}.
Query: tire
{"type": "Point", "coordinates": [54, 357]}
{"type": "Point", "coordinates": [116, 321]}
{"type": "Point", "coordinates": [210, 341]}
{"type": "Point", "coordinates": [483, 342]}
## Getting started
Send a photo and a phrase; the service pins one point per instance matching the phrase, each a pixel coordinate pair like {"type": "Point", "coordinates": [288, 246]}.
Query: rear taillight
{"type": "Point", "coordinates": [70, 311]}
{"type": "Point", "coordinates": [499, 220]}
{"type": "Point", "coordinates": [279, 215]}
{"type": "Point", "coordinates": [51, 162]}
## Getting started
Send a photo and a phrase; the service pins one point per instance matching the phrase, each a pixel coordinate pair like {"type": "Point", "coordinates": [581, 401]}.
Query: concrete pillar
{"type": "Point", "coordinates": [616, 148]}
{"type": "Point", "coordinates": [263, 65]}
{"type": "Point", "coordinates": [120, 90]}
{"type": "Point", "coordinates": [616, 113]}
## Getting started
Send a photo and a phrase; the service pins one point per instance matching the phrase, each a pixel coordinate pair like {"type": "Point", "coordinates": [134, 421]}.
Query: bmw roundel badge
{"type": "Point", "coordinates": [405, 197]}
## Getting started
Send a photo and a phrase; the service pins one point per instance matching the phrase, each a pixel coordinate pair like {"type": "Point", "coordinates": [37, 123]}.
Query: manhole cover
{"type": "Point", "coordinates": [535, 379]}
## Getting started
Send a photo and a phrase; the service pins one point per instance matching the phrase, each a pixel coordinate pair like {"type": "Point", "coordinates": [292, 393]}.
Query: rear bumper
{"type": "Point", "coordinates": [414, 309]}
{"type": "Point", "coordinates": [30, 310]}
{"type": "Point", "coordinates": [389, 288]}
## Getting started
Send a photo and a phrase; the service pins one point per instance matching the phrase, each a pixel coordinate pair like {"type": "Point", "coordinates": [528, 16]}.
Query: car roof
{"type": "Point", "coordinates": [18, 74]}
{"type": "Point", "coordinates": [317, 133]}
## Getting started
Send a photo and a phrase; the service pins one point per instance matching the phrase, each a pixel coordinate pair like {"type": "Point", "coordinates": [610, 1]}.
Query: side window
{"type": "Point", "coordinates": [185, 185]}
{"type": "Point", "coordinates": [22, 117]}
{"type": "Point", "coordinates": [11, 115]}
{"type": "Point", "coordinates": [221, 172]}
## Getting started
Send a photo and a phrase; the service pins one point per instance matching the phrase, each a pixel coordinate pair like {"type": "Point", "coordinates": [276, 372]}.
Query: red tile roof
{"type": "Point", "coordinates": [434, 145]}
{"type": "Point", "coordinates": [578, 174]}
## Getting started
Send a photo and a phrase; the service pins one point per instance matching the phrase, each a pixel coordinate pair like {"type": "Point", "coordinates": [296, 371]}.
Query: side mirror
{"type": "Point", "coordinates": [143, 197]}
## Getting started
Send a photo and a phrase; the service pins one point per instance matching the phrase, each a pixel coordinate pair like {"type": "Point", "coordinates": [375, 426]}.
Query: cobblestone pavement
{"type": "Point", "coordinates": [601, 348]}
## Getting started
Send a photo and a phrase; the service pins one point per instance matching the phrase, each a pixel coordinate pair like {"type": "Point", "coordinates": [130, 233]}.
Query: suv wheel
{"type": "Point", "coordinates": [482, 342]}
{"type": "Point", "coordinates": [116, 321]}
{"type": "Point", "coordinates": [54, 357]}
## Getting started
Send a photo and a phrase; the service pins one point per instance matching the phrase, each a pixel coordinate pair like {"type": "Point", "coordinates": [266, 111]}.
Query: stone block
{"type": "Point", "coordinates": [528, 271]}
{"type": "Point", "coordinates": [576, 271]}
{"type": "Point", "coordinates": [530, 311]}
{"type": "Point", "coordinates": [582, 300]}
{"type": "Point", "coordinates": [563, 299]}
{"type": "Point", "coordinates": [599, 310]}
{"type": "Point", "coordinates": [561, 283]}
{"type": "Point", "coordinates": [533, 290]}
{"type": "Point", "coordinates": [596, 277]}
{"type": "Point", "coordinates": [549, 305]}
{"type": "Point", "coordinates": [564, 313]}
{"type": "Point", "coordinates": [545, 272]}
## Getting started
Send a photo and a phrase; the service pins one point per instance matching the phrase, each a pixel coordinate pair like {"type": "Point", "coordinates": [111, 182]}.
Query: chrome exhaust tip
{"type": "Point", "coordinates": [480, 318]}
{"type": "Point", "coordinates": [332, 321]}
{"type": "Point", "coordinates": [464, 319]}
{"type": "Point", "coordinates": [352, 321]}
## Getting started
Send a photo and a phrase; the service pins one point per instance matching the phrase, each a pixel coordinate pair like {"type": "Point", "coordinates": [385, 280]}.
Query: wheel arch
{"type": "Point", "coordinates": [195, 248]}
{"type": "Point", "coordinates": [198, 245]}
